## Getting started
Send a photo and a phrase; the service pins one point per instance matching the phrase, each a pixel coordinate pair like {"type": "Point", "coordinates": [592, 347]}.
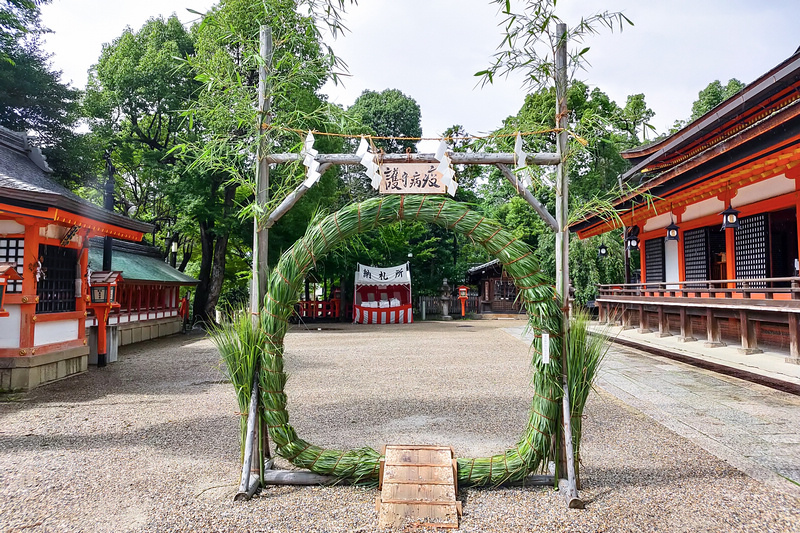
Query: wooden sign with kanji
{"type": "Point", "coordinates": [411, 178]}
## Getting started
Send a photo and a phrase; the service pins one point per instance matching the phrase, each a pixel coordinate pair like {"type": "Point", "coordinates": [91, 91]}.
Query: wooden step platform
{"type": "Point", "coordinates": [418, 487]}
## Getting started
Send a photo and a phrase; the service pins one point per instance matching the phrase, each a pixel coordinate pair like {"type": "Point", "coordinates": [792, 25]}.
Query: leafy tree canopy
{"type": "Point", "coordinates": [390, 113]}
{"type": "Point", "coordinates": [713, 95]}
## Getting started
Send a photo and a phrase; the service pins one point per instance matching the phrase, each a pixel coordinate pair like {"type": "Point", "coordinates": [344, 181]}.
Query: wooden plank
{"type": "Point", "coordinates": [418, 487]}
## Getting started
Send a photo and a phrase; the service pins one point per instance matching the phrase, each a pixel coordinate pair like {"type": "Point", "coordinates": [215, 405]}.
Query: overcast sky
{"type": "Point", "coordinates": [431, 49]}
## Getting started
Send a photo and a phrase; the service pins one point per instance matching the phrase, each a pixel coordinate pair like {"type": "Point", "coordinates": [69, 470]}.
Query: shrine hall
{"type": "Point", "coordinates": [713, 219]}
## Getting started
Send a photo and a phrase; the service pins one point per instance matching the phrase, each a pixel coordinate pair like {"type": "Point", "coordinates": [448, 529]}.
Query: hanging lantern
{"type": "Point", "coordinates": [672, 232]}
{"type": "Point", "coordinates": [602, 251]}
{"type": "Point", "coordinates": [730, 218]}
{"type": "Point", "coordinates": [632, 238]}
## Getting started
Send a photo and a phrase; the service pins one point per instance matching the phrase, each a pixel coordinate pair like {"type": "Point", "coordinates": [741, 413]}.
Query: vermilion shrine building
{"type": "Point", "coordinates": [722, 285]}
{"type": "Point", "coordinates": [45, 231]}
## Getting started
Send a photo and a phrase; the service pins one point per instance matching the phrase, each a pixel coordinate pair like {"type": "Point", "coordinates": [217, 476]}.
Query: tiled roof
{"type": "Point", "coordinates": [25, 179]}
{"type": "Point", "coordinates": [137, 262]}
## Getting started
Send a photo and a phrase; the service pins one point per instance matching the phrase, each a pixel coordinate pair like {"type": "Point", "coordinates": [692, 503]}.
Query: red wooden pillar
{"type": "Point", "coordinates": [28, 306]}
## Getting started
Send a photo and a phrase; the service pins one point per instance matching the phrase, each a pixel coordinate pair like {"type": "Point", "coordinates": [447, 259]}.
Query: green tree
{"type": "Point", "coordinates": [593, 172]}
{"type": "Point", "coordinates": [713, 95]}
{"type": "Point", "coordinates": [32, 97]}
{"type": "Point", "coordinates": [389, 113]}
{"type": "Point", "coordinates": [134, 97]}
{"type": "Point", "coordinates": [19, 19]}
{"type": "Point", "coordinates": [227, 62]}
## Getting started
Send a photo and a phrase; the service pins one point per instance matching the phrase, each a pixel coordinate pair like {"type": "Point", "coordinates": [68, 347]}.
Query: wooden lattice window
{"type": "Point", "coordinates": [695, 254]}
{"type": "Point", "coordinates": [654, 260]}
{"type": "Point", "coordinates": [752, 257]}
{"type": "Point", "coordinates": [13, 251]}
{"type": "Point", "coordinates": [56, 289]}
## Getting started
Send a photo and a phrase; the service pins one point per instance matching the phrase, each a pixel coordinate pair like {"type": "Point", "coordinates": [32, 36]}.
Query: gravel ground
{"type": "Point", "coordinates": [150, 443]}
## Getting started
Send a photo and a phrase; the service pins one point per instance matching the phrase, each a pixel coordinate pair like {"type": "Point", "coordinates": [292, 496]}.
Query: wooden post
{"type": "Point", "coordinates": [748, 334]}
{"type": "Point", "coordinates": [261, 234]}
{"type": "Point", "coordinates": [712, 330]}
{"type": "Point", "coordinates": [686, 327]}
{"type": "Point", "coordinates": [794, 323]}
{"type": "Point", "coordinates": [794, 343]}
{"type": "Point", "coordinates": [562, 256]}
{"type": "Point", "coordinates": [663, 323]}
{"type": "Point", "coordinates": [643, 320]}
{"type": "Point", "coordinates": [626, 317]}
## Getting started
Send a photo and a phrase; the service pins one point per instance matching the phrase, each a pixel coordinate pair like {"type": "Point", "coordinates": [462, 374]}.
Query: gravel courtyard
{"type": "Point", "coordinates": [150, 442]}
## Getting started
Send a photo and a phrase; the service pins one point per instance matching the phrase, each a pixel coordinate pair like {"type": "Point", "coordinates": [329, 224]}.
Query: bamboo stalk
{"type": "Point", "coordinates": [562, 255]}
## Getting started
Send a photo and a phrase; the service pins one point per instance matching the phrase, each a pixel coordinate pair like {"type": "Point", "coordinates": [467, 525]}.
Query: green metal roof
{"type": "Point", "coordinates": [136, 267]}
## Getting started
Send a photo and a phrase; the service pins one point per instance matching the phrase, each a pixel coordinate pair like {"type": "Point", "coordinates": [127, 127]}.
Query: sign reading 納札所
{"type": "Point", "coordinates": [411, 178]}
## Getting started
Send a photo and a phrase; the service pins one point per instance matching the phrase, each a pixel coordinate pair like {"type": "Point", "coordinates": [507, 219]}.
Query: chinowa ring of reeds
{"type": "Point", "coordinates": [249, 345]}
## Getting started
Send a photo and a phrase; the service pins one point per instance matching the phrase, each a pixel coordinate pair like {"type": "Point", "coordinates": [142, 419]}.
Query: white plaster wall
{"type": "Point", "coordinates": [712, 206]}
{"type": "Point", "coordinates": [657, 222]}
{"type": "Point", "coordinates": [761, 191]}
{"type": "Point", "coordinates": [671, 262]}
{"type": "Point", "coordinates": [9, 227]}
{"type": "Point", "coordinates": [57, 331]}
{"type": "Point", "coordinates": [10, 326]}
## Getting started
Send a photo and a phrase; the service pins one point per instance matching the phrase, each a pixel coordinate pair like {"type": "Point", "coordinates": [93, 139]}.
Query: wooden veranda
{"type": "Point", "coordinates": [756, 312]}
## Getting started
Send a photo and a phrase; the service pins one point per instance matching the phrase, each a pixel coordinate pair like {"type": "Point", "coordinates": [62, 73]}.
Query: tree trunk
{"type": "Point", "coordinates": [206, 261]}
{"type": "Point", "coordinates": [220, 251]}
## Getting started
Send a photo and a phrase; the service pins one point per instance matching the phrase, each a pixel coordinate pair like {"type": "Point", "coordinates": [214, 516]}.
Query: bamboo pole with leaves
{"type": "Point", "coordinates": [256, 441]}
{"type": "Point", "coordinates": [562, 258]}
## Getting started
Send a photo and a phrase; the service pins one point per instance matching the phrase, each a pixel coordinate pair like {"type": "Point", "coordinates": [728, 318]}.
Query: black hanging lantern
{"type": "Point", "coordinates": [730, 218]}
{"type": "Point", "coordinates": [632, 238]}
{"type": "Point", "coordinates": [602, 251]}
{"type": "Point", "coordinates": [672, 231]}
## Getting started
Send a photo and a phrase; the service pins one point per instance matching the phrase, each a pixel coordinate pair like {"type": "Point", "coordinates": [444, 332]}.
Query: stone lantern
{"type": "Point", "coordinates": [445, 298]}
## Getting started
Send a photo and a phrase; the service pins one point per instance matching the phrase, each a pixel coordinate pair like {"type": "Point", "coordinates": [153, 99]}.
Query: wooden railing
{"type": "Point", "coordinates": [758, 288]}
{"type": "Point", "coordinates": [745, 301]}
{"type": "Point", "coordinates": [318, 308]}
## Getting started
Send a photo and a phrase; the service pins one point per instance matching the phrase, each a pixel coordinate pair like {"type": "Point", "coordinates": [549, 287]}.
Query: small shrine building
{"type": "Point", "coordinates": [44, 233]}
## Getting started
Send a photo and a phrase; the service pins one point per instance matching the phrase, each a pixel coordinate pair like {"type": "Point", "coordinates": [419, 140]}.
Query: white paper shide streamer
{"type": "Point", "coordinates": [368, 161]}
{"type": "Point", "coordinates": [310, 162]}
{"type": "Point", "coordinates": [523, 174]}
{"type": "Point", "coordinates": [446, 168]}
